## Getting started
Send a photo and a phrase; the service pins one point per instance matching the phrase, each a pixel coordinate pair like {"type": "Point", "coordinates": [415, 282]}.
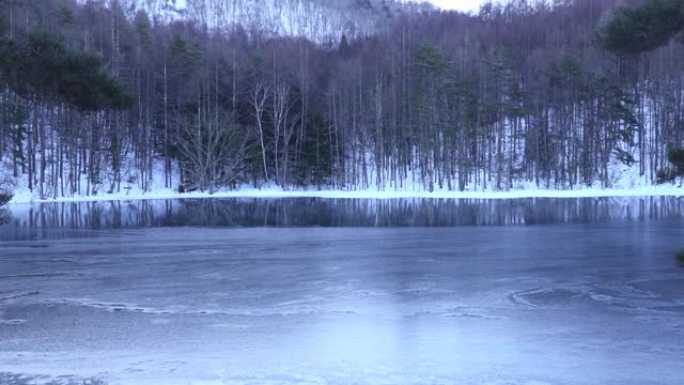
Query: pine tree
{"type": "Point", "coordinates": [632, 31]}
{"type": "Point", "coordinates": [42, 68]}
{"type": "Point", "coordinates": [676, 157]}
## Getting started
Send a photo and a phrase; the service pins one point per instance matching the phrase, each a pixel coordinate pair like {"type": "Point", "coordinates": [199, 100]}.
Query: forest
{"type": "Point", "coordinates": [103, 96]}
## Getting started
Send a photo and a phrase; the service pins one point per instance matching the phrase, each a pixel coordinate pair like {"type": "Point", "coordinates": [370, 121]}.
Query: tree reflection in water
{"type": "Point", "coordinates": [60, 220]}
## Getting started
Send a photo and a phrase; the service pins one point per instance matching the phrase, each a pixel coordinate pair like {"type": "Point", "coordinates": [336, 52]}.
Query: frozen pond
{"type": "Point", "coordinates": [307, 291]}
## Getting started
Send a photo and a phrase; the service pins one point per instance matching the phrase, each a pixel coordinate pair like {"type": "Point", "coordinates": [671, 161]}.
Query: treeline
{"type": "Point", "coordinates": [521, 93]}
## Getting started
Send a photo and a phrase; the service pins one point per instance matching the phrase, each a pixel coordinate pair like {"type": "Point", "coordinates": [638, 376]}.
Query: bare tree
{"type": "Point", "coordinates": [213, 151]}
{"type": "Point", "coordinates": [257, 98]}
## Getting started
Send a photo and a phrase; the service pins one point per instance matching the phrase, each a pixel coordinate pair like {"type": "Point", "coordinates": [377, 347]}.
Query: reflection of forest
{"type": "Point", "coordinates": [56, 220]}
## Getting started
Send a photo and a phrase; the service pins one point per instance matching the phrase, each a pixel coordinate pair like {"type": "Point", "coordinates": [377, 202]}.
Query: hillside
{"type": "Point", "coordinates": [321, 21]}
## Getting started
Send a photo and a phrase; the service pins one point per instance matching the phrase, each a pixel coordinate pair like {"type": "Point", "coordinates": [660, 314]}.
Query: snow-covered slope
{"type": "Point", "coordinates": [318, 20]}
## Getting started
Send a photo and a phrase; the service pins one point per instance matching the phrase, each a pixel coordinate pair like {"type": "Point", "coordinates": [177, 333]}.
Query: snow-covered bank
{"type": "Point", "coordinates": [625, 182]}
{"type": "Point", "coordinates": [23, 197]}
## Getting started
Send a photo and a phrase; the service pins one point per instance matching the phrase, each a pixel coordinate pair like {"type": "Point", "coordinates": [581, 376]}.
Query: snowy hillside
{"type": "Point", "coordinates": [322, 21]}
{"type": "Point", "coordinates": [377, 98]}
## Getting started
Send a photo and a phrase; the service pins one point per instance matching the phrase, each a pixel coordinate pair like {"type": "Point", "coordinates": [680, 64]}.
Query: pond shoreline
{"type": "Point", "coordinates": [25, 197]}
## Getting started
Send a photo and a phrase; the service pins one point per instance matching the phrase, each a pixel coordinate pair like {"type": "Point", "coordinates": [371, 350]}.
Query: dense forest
{"type": "Point", "coordinates": [103, 96]}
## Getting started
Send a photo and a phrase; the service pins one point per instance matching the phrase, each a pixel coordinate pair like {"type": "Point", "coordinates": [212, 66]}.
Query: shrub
{"type": "Point", "coordinates": [5, 216]}
{"type": "Point", "coordinates": [664, 176]}
{"type": "Point", "coordinates": [676, 157]}
{"type": "Point", "coordinates": [5, 196]}
{"type": "Point", "coordinates": [5, 191]}
{"type": "Point", "coordinates": [680, 257]}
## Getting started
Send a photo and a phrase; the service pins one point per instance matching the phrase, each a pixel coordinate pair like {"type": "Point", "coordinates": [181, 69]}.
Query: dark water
{"type": "Point", "coordinates": [309, 291]}
{"type": "Point", "coordinates": [60, 219]}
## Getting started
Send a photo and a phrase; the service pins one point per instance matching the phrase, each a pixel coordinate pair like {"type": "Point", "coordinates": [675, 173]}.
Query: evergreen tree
{"type": "Point", "coordinates": [676, 157]}
{"type": "Point", "coordinates": [40, 67]}
{"type": "Point", "coordinates": [633, 31]}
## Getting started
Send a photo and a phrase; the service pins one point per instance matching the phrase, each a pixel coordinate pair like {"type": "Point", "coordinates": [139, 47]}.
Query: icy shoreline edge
{"type": "Point", "coordinates": [274, 193]}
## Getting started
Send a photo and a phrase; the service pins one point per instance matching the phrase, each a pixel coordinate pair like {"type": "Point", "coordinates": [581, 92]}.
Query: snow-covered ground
{"type": "Point", "coordinates": [24, 196]}
{"type": "Point", "coordinates": [625, 181]}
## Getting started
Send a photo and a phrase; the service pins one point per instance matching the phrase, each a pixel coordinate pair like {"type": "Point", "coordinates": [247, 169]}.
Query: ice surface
{"type": "Point", "coordinates": [162, 299]}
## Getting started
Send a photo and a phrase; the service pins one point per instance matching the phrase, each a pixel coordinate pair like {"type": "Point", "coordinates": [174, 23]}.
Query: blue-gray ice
{"type": "Point", "coordinates": [586, 303]}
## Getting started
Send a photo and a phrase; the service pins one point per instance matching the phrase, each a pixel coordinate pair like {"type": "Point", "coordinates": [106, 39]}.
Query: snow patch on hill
{"type": "Point", "coordinates": [321, 21]}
